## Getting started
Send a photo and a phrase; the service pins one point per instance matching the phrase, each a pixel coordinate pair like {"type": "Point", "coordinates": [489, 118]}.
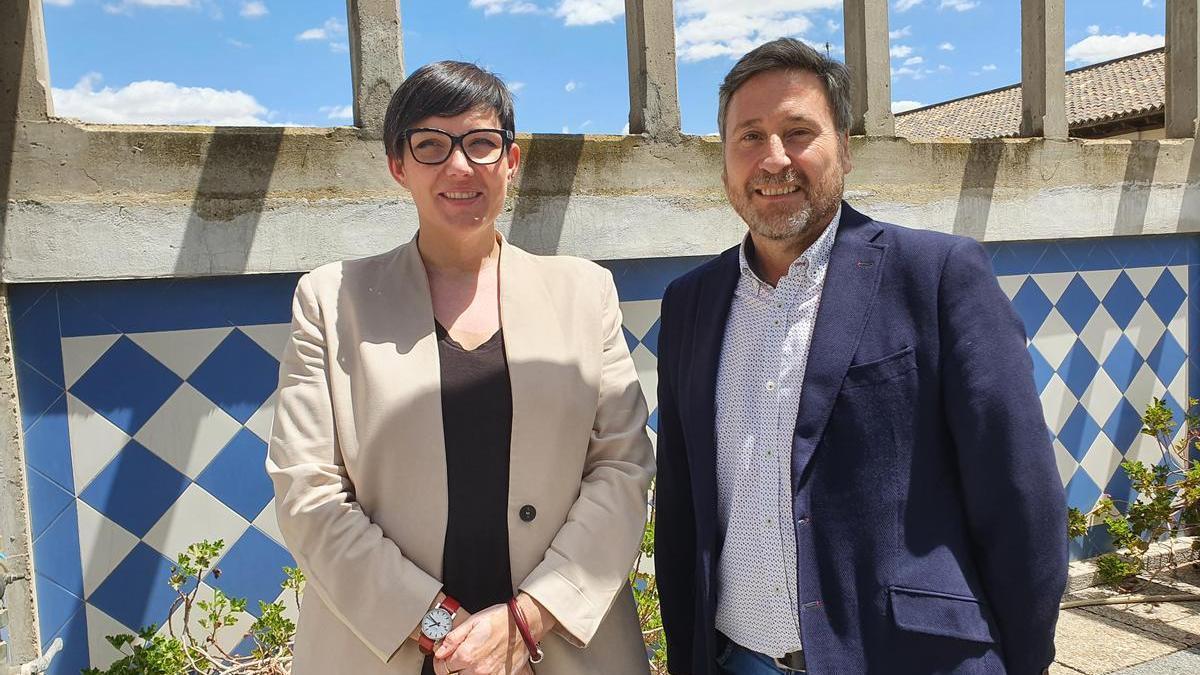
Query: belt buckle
{"type": "Point", "coordinates": [792, 662]}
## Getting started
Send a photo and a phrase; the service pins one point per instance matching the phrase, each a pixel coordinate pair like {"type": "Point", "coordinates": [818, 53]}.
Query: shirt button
{"type": "Point", "coordinates": [528, 513]}
{"type": "Point", "coordinates": [802, 520]}
{"type": "Point", "coordinates": [770, 385]}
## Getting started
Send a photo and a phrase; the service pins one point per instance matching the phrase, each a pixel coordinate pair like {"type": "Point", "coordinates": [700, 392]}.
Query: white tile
{"type": "Point", "coordinates": [272, 337]}
{"type": "Point", "coordinates": [1054, 339]}
{"type": "Point", "coordinates": [1065, 462]}
{"type": "Point", "coordinates": [1100, 281]}
{"type": "Point", "coordinates": [653, 439]}
{"type": "Point", "coordinates": [1100, 334]}
{"type": "Point", "coordinates": [1180, 272]}
{"type": "Point", "coordinates": [266, 521]}
{"type": "Point", "coordinates": [1054, 283]}
{"type": "Point", "coordinates": [1144, 278]}
{"type": "Point", "coordinates": [1178, 387]}
{"type": "Point", "coordinates": [81, 353]}
{"type": "Point", "coordinates": [227, 638]}
{"type": "Point", "coordinates": [1101, 397]}
{"type": "Point", "coordinates": [639, 315]}
{"type": "Point", "coordinates": [260, 422]}
{"type": "Point", "coordinates": [103, 544]}
{"type": "Point", "coordinates": [1011, 283]}
{"type": "Point", "coordinates": [188, 431]}
{"type": "Point", "coordinates": [1178, 326]}
{"type": "Point", "coordinates": [647, 370]}
{"type": "Point", "coordinates": [1101, 461]}
{"type": "Point", "coordinates": [291, 609]}
{"type": "Point", "coordinates": [1057, 403]}
{"type": "Point", "coordinates": [181, 350]}
{"type": "Point", "coordinates": [196, 516]}
{"type": "Point", "coordinates": [101, 654]}
{"type": "Point", "coordinates": [1144, 386]}
{"type": "Point", "coordinates": [1145, 450]}
{"type": "Point", "coordinates": [1145, 329]}
{"type": "Point", "coordinates": [94, 441]}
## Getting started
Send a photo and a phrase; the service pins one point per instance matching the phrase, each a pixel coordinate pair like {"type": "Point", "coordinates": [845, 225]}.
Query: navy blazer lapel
{"type": "Point", "coordinates": [851, 284]}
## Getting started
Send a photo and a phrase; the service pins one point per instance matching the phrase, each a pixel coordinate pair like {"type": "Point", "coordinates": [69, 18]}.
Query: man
{"type": "Point", "coordinates": [854, 474]}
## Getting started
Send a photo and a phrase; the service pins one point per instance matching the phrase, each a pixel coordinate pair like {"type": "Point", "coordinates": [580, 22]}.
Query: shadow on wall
{"type": "Point", "coordinates": [1135, 189]}
{"type": "Point", "coordinates": [978, 188]}
{"type": "Point", "coordinates": [13, 52]}
{"type": "Point", "coordinates": [549, 165]}
{"type": "Point", "coordinates": [1189, 208]}
{"type": "Point", "coordinates": [230, 197]}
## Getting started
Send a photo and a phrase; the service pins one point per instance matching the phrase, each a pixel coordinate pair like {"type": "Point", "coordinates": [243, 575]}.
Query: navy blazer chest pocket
{"type": "Point", "coordinates": [880, 370]}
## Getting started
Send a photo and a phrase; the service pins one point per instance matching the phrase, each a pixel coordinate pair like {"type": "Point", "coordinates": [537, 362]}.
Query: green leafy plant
{"type": "Point", "coordinates": [645, 593]}
{"type": "Point", "coordinates": [151, 653]}
{"type": "Point", "coordinates": [1168, 503]}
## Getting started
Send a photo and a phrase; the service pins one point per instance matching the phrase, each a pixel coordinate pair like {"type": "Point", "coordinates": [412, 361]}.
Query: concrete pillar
{"type": "Point", "coordinates": [653, 91]}
{"type": "Point", "coordinates": [1183, 69]}
{"type": "Point", "coordinates": [24, 66]}
{"type": "Point", "coordinates": [867, 56]}
{"type": "Point", "coordinates": [1043, 69]}
{"type": "Point", "coordinates": [376, 59]}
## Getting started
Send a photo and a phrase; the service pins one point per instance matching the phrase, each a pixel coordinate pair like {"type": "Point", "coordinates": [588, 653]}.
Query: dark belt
{"type": "Point", "coordinates": [792, 662]}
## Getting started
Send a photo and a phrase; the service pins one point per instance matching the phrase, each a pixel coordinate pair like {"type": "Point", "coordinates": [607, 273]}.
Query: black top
{"type": "Point", "coordinates": [477, 424]}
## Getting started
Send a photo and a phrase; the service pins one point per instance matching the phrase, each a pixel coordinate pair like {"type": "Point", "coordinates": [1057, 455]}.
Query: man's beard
{"type": "Point", "coordinates": [778, 224]}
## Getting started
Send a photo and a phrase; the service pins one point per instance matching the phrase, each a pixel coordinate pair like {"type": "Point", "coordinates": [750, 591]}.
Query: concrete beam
{"type": "Point", "coordinates": [376, 59]}
{"type": "Point", "coordinates": [1183, 69]}
{"type": "Point", "coordinates": [1043, 69]}
{"type": "Point", "coordinates": [653, 89]}
{"type": "Point", "coordinates": [866, 26]}
{"type": "Point", "coordinates": [24, 66]}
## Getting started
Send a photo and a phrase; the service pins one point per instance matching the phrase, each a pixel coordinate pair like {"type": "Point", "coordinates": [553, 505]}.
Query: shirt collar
{"type": "Point", "coordinates": [810, 263]}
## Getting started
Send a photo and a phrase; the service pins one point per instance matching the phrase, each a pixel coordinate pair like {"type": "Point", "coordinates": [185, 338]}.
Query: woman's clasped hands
{"type": "Point", "coordinates": [489, 643]}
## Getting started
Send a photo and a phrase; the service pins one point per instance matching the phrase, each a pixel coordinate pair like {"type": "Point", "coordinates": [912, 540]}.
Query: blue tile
{"type": "Point", "coordinates": [245, 647]}
{"type": "Point", "coordinates": [1076, 250]}
{"type": "Point", "coordinates": [1120, 488]}
{"type": "Point", "coordinates": [135, 489]}
{"type": "Point", "coordinates": [1078, 369]}
{"type": "Point", "coordinates": [243, 300]}
{"type": "Point", "coordinates": [651, 337]}
{"type": "Point", "coordinates": [1053, 260]}
{"type": "Point", "coordinates": [1123, 363]}
{"type": "Point", "coordinates": [1042, 370]}
{"type": "Point", "coordinates": [47, 501]}
{"type": "Point", "coordinates": [22, 297]}
{"type": "Point", "coordinates": [1123, 426]}
{"type": "Point", "coordinates": [1123, 300]}
{"type": "Point", "coordinates": [35, 393]}
{"type": "Point", "coordinates": [1096, 541]}
{"type": "Point", "coordinates": [48, 446]}
{"type": "Point", "coordinates": [238, 376]}
{"type": "Point", "coordinates": [1077, 304]}
{"type": "Point", "coordinates": [126, 385]}
{"type": "Point", "coordinates": [1082, 491]}
{"type": "Point", "coordinates": [652, 422]}
{"type": "Point", "coordinates": [1139, 252]}
{"type": "Point", "coordinates": [1032, 306]}
{"type": "Point", "coordinates": [74, 656]}
{"type": "Point", "coordinates": [1017, 257]}
{"type": "Point", "coordinates": [1166, 297]}
{"type": "Point", "coordinates": [56, 552]}
{"type": "Point", "coordinates": [1098, 258]}
{"type": "Point", "coordinates": [646, 279]}
{"type": "Point", "coordinates": [137, 593]}
{"type": "Point", "coordinates": [630, 340]}
{"type": "Point", "coordinates": [1167, 358]}
{"type": "Point", "coordinates": [79, 318]}
{"type": "Point", "coordinates": [237, 475]}
{"type": "Point", "coordinates": [253, 569]}
{"type": "Point", "coordinates": [55, 605]}
{"type": "Point", "coordinates": [1078, 433]}
{"type": "Point", "coordinates": [36, 339]}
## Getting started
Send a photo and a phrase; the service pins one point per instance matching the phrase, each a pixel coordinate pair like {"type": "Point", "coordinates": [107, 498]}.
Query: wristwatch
{"type": "Point", "coordinates": [436, 624]}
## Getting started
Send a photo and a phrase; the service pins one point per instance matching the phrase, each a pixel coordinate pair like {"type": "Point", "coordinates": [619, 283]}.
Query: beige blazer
{"type": "Point", "coordinates": [357, 457]}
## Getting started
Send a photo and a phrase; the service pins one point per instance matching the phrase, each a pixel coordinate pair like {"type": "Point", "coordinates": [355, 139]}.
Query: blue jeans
{"type": "Point", "coordinates": [737, 660]}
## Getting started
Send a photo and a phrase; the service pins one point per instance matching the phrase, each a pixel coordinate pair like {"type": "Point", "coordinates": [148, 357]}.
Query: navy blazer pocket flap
{"type": "Point", "coordinates": [943, 614]}
{"type": "Point", "coordinates": [881, 370]}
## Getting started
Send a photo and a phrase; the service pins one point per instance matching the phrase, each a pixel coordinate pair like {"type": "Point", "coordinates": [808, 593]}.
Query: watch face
{"type": "Point", "coordinates": [437, 623]}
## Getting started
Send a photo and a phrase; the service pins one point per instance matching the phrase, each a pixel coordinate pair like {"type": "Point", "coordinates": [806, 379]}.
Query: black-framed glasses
{"type": "Point", "coordinates": [480, 146]}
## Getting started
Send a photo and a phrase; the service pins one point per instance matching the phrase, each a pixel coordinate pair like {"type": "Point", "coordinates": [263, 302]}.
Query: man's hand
{"type": "Point", "coordinates": [488, 643]}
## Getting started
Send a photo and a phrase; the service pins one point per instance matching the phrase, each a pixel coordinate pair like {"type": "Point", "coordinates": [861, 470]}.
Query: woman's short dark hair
{"type": "Point", "coordinates": [790, 54]}
{"type": "Point", "coordinates": [444, 89]}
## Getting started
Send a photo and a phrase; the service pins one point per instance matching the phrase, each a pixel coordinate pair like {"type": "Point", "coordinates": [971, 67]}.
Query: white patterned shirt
{"type": "Point", "coordinates": [761, 374]}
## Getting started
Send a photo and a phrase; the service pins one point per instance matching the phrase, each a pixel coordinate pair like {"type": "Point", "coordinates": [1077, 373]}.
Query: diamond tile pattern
{"type": "Point", "coordinates": [147, 418]}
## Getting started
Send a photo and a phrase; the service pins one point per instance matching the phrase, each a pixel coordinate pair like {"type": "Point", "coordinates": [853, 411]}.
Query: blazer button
{"type": "Point", "coordinates": [528, 513]}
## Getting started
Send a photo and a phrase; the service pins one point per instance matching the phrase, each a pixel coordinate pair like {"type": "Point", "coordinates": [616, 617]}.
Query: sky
{"type": "Point", "coordinates": [286, 62]}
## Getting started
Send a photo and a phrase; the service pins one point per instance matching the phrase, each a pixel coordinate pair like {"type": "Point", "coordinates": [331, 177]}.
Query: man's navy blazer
{"type": "Point", "coordinates": [929, 516]}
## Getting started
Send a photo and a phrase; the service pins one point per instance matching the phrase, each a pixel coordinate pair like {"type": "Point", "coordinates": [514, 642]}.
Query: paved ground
{"type": "Point", "coordinates": [1141, 639]}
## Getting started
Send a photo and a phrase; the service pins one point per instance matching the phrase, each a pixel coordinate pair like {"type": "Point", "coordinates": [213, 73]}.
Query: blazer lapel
{"type": "Point", "coordinates": [851, 284]}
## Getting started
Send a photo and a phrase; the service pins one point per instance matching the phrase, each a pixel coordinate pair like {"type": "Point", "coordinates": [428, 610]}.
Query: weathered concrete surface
{"type": "Point", "coordinates": [376, 59]}
{"type": "Point", "coordinates": [14, 506]}
{"type": "Point", "coordinates": [1183, 69]}
{"type": "Point", "coordinates": [1186, 662]}
{"type": "Point", "coordinates": [653, 91]}
{"type": "Point", "coordinates": [867, 43]}
{"type": "Point", "coordinates": [24, 67]}
{"type": "Point", "coordinates": [99, 202]}
{"type": "Point", "coordinates": [1043, 69]}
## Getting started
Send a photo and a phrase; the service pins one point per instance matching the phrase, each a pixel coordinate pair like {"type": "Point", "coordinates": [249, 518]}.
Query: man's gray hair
{"type": "Point", "coordinates": [790, 54]}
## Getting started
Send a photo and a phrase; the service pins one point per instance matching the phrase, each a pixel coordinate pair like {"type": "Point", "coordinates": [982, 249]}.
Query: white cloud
{"type": "Point", "coordinates": [900, 33]}
{"type": "Point", "coordinates": [916, 60]}
{"type": "Point", "coordinates": [989, 67]}
{"type": "Point", "coordinates": [588, 12]}
{"type": "Point", "coordinates": [958, 5]}
{"type": "Point", "coordinates": [832, 25]}
{"type": "Point", "coordinates": [1147, 3]}
{"type": "Point", "coordinates": [903, 106]}
{"type": "Point", "coordinates": [237, 43]}
{"type": "Point", "coordinates": [515, 87]}
{"type": "Point", "coordinates": [566, 129]}
{"type": "Point", "coordinates": [59, 3]}
{"type": "Point", "coordinates": [126, 5]}
{"type": "Point", "coordinates": [914, 73]}
{"type": "Point", "coordinates": [900, 51]}
{"type": "Point", "coordinates": [254, 10]}
{"type": "Point", "coordinates": [625, 129]}
{"type": "Point", "coordinates": [491, 7]}
{"type": "Point", "coordinates": [1096, 48]}
{"type": "Point", "coordinates": [586, 124]}
{"type": "Point", "coordinates": [570, 86]}
{"type": "Point", "coordinates": [905, 5]}
{"type": "Point", "coordinates": [943, 68]}
{"type": "Point", "coordinates": [332, 31]}
{"type": "Point", "coordinates": [338, 112]}
{"type": "Point", "coordinates": [712, 28]}
{"type": "Point", "coordinates": [154, 102]}
{"type": "Point", "coordinates": [946, 47]}
{"type": "Point", "coordinates": [1093, 29]}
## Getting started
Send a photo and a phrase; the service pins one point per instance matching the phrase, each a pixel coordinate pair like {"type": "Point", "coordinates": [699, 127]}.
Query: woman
{"type": "Point", "coordinates": [460, 423]}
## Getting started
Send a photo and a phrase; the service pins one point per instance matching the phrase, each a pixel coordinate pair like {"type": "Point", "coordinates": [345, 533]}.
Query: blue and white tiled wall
{"type": "Point", "coordinates": [146, 407]}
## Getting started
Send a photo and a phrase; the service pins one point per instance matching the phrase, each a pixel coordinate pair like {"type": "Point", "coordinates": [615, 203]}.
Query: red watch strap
{"type": "Point", "coordinates": [427, 645]}
{"type": "Point", "coordinates": [450, 605]}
